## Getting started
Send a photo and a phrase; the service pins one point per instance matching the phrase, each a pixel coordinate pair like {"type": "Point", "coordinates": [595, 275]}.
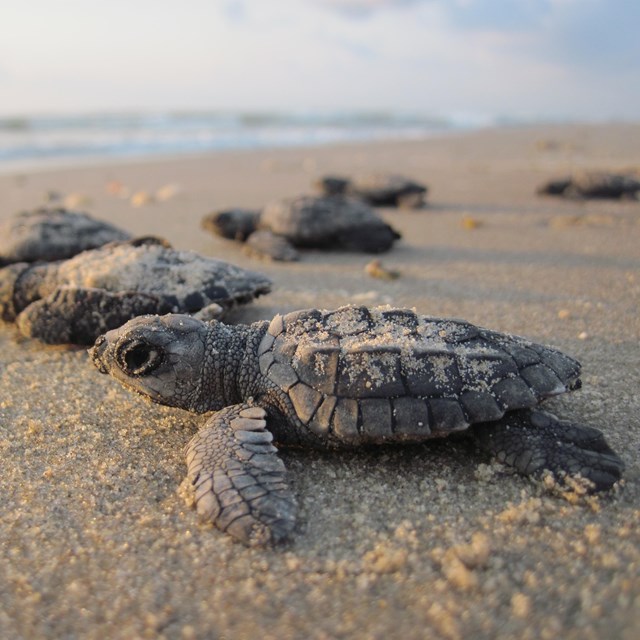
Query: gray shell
{"type": "Point", "coordinates": [53, 234]}
{"type": "Point", "coordinates": [185, 279]}
{"type": "Point", "coordinates": [378, 189]}
{"type": "Point", "coordinates": [105, 287]}
{"type": "Point", "coordinates": [310, 221]}
{"type": "Point", "coordinates": [359, 375]}
{"type": "Point", "coordinates": [333, 222]}
{"type": "Point", "coordinates": [594, 184]}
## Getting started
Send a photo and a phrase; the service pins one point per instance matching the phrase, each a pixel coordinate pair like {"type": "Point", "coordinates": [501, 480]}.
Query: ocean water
{"type": "Point", "coordinates": [27, 142]}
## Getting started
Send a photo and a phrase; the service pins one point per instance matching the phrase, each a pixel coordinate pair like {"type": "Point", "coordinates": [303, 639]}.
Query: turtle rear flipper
{"type": "Point", "coordinates": [79, 315]}
{"type": "Point", "coordinates": [535, 441]}
{"type": "Point", "coordinates": [238, 478]}
{"type": "Point", "coordinates": [376, 237]}
{"type": "Point", "coordinates": [411, 200]}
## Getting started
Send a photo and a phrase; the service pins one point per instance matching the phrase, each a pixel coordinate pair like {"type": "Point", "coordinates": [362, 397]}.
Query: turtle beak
{"type": "Point", "coordinates": [97, 351]}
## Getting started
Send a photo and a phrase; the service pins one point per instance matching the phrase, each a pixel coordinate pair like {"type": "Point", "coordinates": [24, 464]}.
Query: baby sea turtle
{"type": "Point", "coordinates": [377, 189]}
{"type": "Point", "coordinates": [76, 300]}
{"type": "Point", "coordinates": [53, 234]}
{"type": "Point", "coordinates": [345, 378]}
{"type": "Point", "coordinates": [332, 222]}
{"type": "Point", "coordinates": [595, 185]}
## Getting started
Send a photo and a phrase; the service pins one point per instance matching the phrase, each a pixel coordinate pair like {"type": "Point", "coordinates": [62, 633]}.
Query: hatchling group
{"type": "Point", "coordinates": [153, 319]}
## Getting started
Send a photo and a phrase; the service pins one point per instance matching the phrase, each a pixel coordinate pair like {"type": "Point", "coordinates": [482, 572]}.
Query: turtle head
{"type": "Point", "coordinates": [235, 224]}
{"type": "Point", "coordinates": [161, 357]}
{"type": "Point", "coordinates": [9, 277]}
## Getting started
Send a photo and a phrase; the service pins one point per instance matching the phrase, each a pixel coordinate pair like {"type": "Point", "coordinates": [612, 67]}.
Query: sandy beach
{"type": "Point", "coordinates": [425, 541]}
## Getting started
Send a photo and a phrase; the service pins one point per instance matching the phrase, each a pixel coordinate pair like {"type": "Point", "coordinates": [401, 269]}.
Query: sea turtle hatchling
{"type": "Point", "coordinates": [75, 300]}
{"type": "Point", "coordinates": [345, 378]}
{"type": "Point", "coordinates": [377, 189]}
{"type": "Point", "coordinates": [594, 185]}
{"type": "Point", "coordinates": [331, 222]}
{"type": "Point", "coordinates": [48, 234]}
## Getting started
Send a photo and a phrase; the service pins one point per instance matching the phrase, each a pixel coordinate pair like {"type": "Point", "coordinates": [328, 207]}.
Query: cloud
{"type": "Point", "coordinates": [497, 15]}
{"type": "Point", "coordinates": [473, 14]}
{"type": "Point", "coordinates": [595, 34]}
{"type": "Point", "coordinates": [541, 57]}
{"type": "Point", "coordinates": [235, 11]}
{"type": "Point", "coordinates": [364, 8]}
{"type": "Point", "coordinates": [587, 35]}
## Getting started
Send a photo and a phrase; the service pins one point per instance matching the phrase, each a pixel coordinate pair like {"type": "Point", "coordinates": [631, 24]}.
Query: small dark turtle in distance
{"type": "Point", "coordinates": [48, 234]}
{"type": "Point", "coordinates": [377, 189]}
{"type": "Point", "coordinates": [76, 300]}
{"type": "Point", "coordinates": [346, 378]}
{"type": "Point", "coordinates": [594, 185]}
{"type": "Point", "coordinates": [330, 222]}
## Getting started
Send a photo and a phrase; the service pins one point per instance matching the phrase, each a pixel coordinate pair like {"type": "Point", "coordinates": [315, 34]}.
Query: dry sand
{"type": "Point", "coordinates": [420, 541]}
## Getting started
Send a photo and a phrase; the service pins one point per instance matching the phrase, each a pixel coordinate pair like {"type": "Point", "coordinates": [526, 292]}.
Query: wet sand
{"type": "Point", "coordinates": [420, 541]}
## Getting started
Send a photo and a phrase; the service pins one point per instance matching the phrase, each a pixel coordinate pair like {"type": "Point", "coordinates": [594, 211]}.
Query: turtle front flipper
{"type": "Point", "coordinates": [79, 315]}
{"type": "Point", "coordinates": [213, 311]}
{"type": "Point", "coordinates": [238, 478]}
{"type": "Point", "coordinates": [536, 441]}
{"type": "Point", "coordinates": [265, 244]}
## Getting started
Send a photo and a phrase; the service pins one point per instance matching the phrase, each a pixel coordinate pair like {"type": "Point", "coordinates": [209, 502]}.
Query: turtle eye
{"type": "Point", "coordinates": [138, 358]}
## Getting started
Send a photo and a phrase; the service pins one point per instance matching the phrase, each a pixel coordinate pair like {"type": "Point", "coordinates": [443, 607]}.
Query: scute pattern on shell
{"type": "Point", "coordinates": [53, 234]}
{"type": "Point", "coordinates": [160, 270]}
{"type": "Point", "coordinates": [76, 300]}
{"type": "Point", "coordinates": [345, 378]}
{"type": "Point", "coordinates": [307, 220]}
{"type": "Point", "coordinates": [371, 374]}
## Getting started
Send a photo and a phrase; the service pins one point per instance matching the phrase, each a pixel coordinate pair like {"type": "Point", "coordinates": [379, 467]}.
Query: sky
{"type": "Point", "coordinates": [549, 59]}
